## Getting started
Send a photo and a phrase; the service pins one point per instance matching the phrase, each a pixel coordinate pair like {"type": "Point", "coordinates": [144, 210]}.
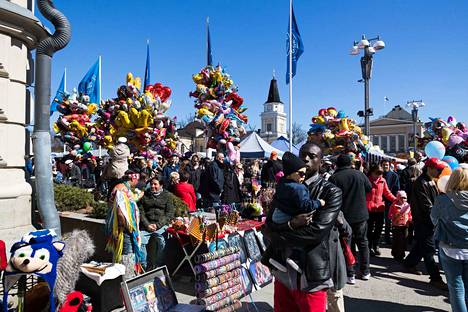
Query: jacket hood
{"type": "Point", "coordinates": [459, 199]}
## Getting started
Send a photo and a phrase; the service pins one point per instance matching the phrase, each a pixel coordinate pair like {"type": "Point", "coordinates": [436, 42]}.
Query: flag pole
{"type": "Point", "coordinates": [100, 83]}
{"type": "Point", "coordinates": [65, 80]}
{"type": "Point", "coordinates": [290, 77]}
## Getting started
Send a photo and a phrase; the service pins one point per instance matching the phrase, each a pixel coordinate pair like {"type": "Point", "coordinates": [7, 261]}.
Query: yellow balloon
{"type": "Point", "coordinates": [92, 109]}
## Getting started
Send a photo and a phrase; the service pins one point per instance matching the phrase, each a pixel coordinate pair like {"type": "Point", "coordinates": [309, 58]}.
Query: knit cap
{"type": "Point", "coordinates": [292, 163]}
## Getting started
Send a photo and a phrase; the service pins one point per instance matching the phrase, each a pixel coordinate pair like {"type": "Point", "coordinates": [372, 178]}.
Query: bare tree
{"type": "Point", "coordinates": [182, 123]}
{"type": "Point", "coordinates": [298, 133]}
{"type": "Point", "coordinates": [252, 127]}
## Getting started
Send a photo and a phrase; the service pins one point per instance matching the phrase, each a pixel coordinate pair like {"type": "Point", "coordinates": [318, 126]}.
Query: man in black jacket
{"type": "Point", "coordinates": [270, 169]}
{"type": "Point", "coordinates": [424, 193]}
{"type": "Point", "coordinates": [310, 232]}
{"type": "Point", "coordinates": [393, 183]}
{"type": "Point", "coordinates": [354, 185]}
{"type": "Point", "coordinates": [212, 182]}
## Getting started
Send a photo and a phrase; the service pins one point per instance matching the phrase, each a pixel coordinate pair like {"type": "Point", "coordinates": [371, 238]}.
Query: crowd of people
{"type": "Point", "coordinates": [321, 207]}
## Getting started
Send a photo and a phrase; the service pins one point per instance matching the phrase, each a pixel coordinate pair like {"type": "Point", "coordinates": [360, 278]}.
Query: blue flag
{"type": "Point", "coordinates": [297, 47]}
{"type": "Point", "coordinates": [91, 83]}
{"type": "Point", "coordinates": [59, 94]}
{"type": "Point", "coordinates": [147, 81]}
{"type": "Point", "coordinates": [209, 56]}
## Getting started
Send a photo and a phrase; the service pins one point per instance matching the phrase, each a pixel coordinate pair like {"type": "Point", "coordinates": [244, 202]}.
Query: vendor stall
{"type": "Point", "coordinates": [253, 146]}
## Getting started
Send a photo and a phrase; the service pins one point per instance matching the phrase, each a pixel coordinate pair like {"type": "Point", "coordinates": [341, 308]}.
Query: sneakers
{"type": "Point", "coordinates": [351, 280]}
{"type": "Point", "coordinates": [366, 277]}
{"type": "Point", "coordinates": [439, 284]}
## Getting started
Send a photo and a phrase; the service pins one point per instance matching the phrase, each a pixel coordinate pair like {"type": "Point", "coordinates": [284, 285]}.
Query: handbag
{"type": "Point", "coordinates": [348, 254]}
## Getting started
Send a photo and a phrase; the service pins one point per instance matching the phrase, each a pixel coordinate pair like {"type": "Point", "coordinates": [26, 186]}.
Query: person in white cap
{"type": "Point", "coordinates": [118, 163]}
{"type": "Point", "coordinates": [73, 173]}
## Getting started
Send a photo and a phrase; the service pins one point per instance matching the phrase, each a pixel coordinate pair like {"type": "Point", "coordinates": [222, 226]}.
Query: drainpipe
{"type": "Point", "coordinates": [41, 135]}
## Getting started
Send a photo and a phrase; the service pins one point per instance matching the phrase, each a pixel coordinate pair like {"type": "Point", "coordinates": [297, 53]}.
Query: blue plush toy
{"type": "Point", "coordinates": [37, 254]}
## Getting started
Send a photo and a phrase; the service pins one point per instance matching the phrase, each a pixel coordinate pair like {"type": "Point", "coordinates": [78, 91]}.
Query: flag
{"type": "Point", "coordinates": [59, 94]}
{"type": "Point", "coordinates": [147, 69]}
{"type": "Point", "coordinates": [297, 46]}
{"type": "Point", "coordinates": [91, 83]}
{"type": "Point", "coordinates": [209, 56]}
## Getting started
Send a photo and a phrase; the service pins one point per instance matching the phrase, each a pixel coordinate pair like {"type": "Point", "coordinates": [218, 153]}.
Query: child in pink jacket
{"type": "Point", "coordinates": [400, 215]}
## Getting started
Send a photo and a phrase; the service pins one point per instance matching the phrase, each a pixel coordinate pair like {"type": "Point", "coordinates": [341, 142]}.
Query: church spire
{"type": "Point", "coordinates": [273, 94]}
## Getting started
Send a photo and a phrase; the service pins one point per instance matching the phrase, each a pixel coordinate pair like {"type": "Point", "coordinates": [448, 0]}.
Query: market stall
{"type": "Point", "coordinates": [253, 146]}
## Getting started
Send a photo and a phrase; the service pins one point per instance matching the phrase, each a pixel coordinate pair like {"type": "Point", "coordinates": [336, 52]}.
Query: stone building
{"type": "Point", "coordinates": [273, 116]}
{"type": "Point", "coordinates": [394, 132]}
{"type": "Point", "coordinates": [20, 32]}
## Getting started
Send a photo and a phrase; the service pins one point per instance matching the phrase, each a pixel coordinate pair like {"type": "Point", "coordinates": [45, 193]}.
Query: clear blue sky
{"type": "Point", "coordinates": [425, 58]}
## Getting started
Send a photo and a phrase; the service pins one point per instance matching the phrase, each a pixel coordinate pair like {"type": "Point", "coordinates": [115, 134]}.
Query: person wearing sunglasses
{"type": "Point", "coordinates": [291, 198]}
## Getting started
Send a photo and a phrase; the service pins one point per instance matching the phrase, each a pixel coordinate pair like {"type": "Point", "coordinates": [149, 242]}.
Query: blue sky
{"type": "Point", "coordinates": [425, 57]}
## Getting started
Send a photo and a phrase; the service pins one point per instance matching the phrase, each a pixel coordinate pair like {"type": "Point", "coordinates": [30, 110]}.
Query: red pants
{"type": "Point", "coordinates": [286, 300]}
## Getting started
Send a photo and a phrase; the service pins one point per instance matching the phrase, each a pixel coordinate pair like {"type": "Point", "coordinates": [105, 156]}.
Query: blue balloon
{"type": "Point", "coordinates": [452, 162]}
{"type": "Point", "coordinates": [435, 149]}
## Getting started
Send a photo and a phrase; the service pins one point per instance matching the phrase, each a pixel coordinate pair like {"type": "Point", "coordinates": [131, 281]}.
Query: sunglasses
{"type": "Point", "coordinates": [301, 174]}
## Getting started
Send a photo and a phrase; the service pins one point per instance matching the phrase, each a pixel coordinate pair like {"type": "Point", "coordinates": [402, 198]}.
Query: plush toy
{"type": "Point", "coordinates": [36, 253]}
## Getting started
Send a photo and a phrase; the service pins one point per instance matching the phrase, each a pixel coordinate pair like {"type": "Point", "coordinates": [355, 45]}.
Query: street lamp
{"type": "Point", "coordinates": [370, 47]}
{"type": "Point", "coordinates": [415, 105]}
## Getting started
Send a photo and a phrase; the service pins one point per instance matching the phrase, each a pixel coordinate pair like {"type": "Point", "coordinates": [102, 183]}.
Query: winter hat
{"type": "Point", "coordinates": [291, 163]}
{"type": "Point", "coordinates": [401, 194]}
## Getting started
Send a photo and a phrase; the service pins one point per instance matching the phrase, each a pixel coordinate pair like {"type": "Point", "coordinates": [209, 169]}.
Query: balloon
{"type": "Point", "coordinates": [435, 149]}
{"type": "Point", "coordinates": [442, 183]}
{"type": "Point", "coordinates": [451, 161]}
{"type": "Point", "coordinates": [446, 172]}
{"type": "Point", "coordinates": [87, 146]}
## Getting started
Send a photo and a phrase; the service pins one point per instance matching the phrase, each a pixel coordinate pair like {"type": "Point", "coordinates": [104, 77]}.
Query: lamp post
{"type": "Point", "coordinates": [366, 68]}
{"type": "Point", "coordinates": [415, 105]}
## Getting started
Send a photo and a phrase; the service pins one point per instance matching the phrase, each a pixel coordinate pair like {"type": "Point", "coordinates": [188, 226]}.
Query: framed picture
{"type": "Point", "coordinates": [261, 242]}
{"type": "Point", "coordinates": [235, 240]}
{"type": "Point", "coordinates": [247, 283]}
{"type": "Point", "coordinates": [251, 244]}
{"type": "Point", "coordinates": [152, 292]}
{"type": "Point", "coordinates": [219, 244]}
{"type": "Point", "coordinates": [261, 275]}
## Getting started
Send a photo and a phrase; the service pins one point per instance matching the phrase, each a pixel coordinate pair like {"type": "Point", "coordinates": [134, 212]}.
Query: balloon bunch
{"type": "Point", "coordinates": [74, 123]}
{"type": "Point", "coordinates": [140, 117]}
{"type": "Point", "coordinates": [336, 133]}
{"type": "Point", "coordinates": [446, 140]}
{"type": "Point", "coordinates": [221, 109]}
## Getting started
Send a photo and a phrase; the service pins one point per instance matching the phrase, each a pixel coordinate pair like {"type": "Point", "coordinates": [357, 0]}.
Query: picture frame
{"type": "Point", "coordinates": [251, 244]}
{"type": "Point", "coordinates": [260, 273]}
{"type": "Point", "coordinates": [236, 240]}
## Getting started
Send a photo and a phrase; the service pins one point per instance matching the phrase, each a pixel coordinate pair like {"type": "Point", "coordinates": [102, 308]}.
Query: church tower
{"type": "Point", "coordinates": [273, 116]}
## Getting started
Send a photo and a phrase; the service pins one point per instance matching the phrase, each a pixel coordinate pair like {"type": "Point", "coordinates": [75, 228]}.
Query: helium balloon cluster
{"type": "Point", "coordinates": [74, 123]}
{"type": "Point", "coordinates": [446, 140]}
{"type": "Point", "coordinates": [336, 133]}
{"type": "Point", "coordinates": [140, 117]}
{"type": "Point", "coordinates": [221, 109]}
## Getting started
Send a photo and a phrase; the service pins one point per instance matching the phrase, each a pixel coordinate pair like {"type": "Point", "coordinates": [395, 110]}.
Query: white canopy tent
{"type": "Point", "coordinates": [253, 146]}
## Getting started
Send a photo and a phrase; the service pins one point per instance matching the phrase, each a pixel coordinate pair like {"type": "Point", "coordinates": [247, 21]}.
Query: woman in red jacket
{"type": "Point", "coordinates": [185, 191]}
{"type": "Point", "coordinates": [376, 206]}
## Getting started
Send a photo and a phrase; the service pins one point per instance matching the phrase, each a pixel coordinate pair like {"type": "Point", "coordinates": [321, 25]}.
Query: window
{"type": "Point", "coordinates": [392, 143]}
{"type": "Point", "coordinates": [375, 139]}
{"type": "Point", "coordinates": [401, 143]}
{"type": "Point", "coordinates": [383, 142]}
{"type": "Point", "coordinates": [268, 127]}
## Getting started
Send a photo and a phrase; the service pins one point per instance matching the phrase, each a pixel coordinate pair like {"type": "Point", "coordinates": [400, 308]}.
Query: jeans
{"type": "Point", "coordinates": [374, 230]}
{"type": "Point", "coordinates": [359, 239]}
{"type": "Point", "coordinates": [127, 245]}
{"type": "Point", "coordinates": [423, 248]}
{"type": "Point", "coordinates": [456, 272]}
{"type": "Point", "coordinates": [152, 246]}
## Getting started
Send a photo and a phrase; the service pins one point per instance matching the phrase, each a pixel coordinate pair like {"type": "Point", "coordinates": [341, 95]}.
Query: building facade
{"type": "Point", "coordinates": [273, 117]}
{"type": "Point", "coordinates": [394, 132]}
{"type": "Point", "coordinates": [20, 32]}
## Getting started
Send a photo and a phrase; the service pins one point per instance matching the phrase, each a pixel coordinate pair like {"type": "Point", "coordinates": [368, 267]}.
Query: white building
{"type": "Point", "coordinates": [273, 116]}
{"type": "Point", "coordinates": [20, 32]}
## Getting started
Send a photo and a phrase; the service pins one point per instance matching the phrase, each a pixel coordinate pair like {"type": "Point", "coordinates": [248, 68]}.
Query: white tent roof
{"type": "Point", "coordinates": [253, 146]}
